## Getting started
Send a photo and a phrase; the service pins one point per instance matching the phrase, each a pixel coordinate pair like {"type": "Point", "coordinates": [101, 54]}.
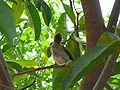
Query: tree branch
{"type": "Point", "coordinates": [94, 28]}
{"type": "Point", "coordinates": [5, 78]}
{"type": "Point", "coordinates": [106, 72]}
{"type": "Point", "coordinates": [37, 69]}
{"type": "Point", "coordinates": [114, 16]}
{"type": "Point", "coordinates": [108, 68]}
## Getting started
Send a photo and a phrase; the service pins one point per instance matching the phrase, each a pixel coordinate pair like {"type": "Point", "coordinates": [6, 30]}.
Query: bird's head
{"type": "Point", "coordinates": [58, 38]}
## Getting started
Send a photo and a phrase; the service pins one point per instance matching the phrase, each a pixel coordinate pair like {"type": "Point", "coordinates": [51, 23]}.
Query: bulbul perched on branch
{"type": "Point", "coordinates": [60, 54]}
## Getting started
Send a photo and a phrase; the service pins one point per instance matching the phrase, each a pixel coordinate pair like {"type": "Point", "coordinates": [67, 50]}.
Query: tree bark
{"type": "Point", "coordinates": [5, 77]}
{"type": "Point", "coordinates": [109, 66]}
{"type": "Point", "coordinates": [95, 27]}
{"type": "Point", "coordinates": [106, 72]}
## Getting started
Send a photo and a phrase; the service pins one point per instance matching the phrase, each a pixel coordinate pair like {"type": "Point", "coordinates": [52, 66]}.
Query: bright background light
{"type": "Point", "coordinates": [106, 6]}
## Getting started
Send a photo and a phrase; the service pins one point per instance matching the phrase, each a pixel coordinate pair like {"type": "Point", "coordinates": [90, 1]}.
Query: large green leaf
{"type": "Point", "coordinates": [62, 21]}
{"type": "Point", "coordinates": [26, 63]}
{"type": "Point", "coordinates": [58, 74]}
{"type": "Point", "coordinates": [69, 12]}
{"type": "Point", "coordinates": [46, 12]}
{"type": "Point", "coordinates": [107, 38]}
{"type": "Point", "coordinates": [14, 65]}
{"type": "Point", "coordinates": [7, 26]}
{"type": "Point", "coordinates": [34, 19]}
{"type": "Point", "coordinates": [62, 26]}
{"type": "Point", "coordinates": [17, 10]}
{"type": "Point", "coordinates": [91, 58]}
{"type": "Point", "coordinates": [81, 23]}
{"type": "Point", "coordinates": [72, 46]}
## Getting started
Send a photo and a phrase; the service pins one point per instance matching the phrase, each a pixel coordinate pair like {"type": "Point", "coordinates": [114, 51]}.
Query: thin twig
{"type": "Point", "coordinates": [29, 84]}
{"type": "Point", "coordinates": [37, 69]}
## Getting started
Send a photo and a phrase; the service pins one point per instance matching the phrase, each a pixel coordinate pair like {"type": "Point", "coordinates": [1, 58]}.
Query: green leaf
{"type": "Point", "coordinates": [38, 4]}
{"type": "Point", "coordinates": [62, 26]}
{"type": "Point", "coordinates": [20, 77]}
{"type": "Point", "coordinates": [17, 10]}
{"type": "Point", "coordinates": [7, 26]}
{"type": "Point", "coordinates": [72, 47]}
{"type": "Point", "coordinates": [83, 43]}
{"type": "Point", "coordinates": [6, 47]}
{"type": "Point", "coordinates": [14, 65]}
{"type": "Point", "coordinates": [14, 1]}
{"type": "Point", "coordinates": [107, 38]}
{"type": "Point", "coordinates": [69, 12]}
{"type": "Point", "coordinates": [58, 74]}
{"type": "Point", "coordinates": [48, 52]}
{"type": "Point", "coordinates": [91, 58]}
{"type": "Point", "coordinates": [117, 67]}
{"type": "Point", "coordinates": [62, 21]}
{"type": "Point", "coordinates": [26, 63]}
{"type": "Point", "coordinates": [34, 19]}
{"type": "Point", "coordinates": [81, 23]}
{"type": "Point", "coordinates": [117, 29]}
{"type": "Point", "coordinates": [46, 12]}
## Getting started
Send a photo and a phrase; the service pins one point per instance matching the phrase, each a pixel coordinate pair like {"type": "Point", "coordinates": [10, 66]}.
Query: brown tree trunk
{"type": "Point", "coordinates": [5, 77]}
{"type": "Point", "coordinates": [95, 27]}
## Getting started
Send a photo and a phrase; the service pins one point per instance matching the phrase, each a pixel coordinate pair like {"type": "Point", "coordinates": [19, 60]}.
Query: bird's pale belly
{"type": "Point", "coordinates": [60, 60]}
{"type": "Point", "coordinates": [60, 57]}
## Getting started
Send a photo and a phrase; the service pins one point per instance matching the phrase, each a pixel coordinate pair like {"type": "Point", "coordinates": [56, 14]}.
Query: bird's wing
{"type": "Point", "coordinates": [69, 54]}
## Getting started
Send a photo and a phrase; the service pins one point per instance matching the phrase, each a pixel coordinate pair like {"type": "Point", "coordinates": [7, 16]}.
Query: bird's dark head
{"type": "Point", "coordinates": [58, 38]}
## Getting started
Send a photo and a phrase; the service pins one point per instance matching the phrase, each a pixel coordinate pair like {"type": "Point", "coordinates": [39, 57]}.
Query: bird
{"type": "Point", "coordinates": [60, 54]}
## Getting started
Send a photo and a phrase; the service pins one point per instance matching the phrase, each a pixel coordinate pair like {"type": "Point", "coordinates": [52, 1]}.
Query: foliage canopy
{"type": "Point", "coordinates": [27, 28]}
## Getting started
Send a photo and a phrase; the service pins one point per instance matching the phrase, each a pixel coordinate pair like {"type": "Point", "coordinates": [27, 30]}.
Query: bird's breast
{"type": "Point", "coordinates": [60, 56]}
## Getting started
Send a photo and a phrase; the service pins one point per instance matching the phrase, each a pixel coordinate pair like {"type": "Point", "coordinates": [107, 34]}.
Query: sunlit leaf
{"type": "Point", "coordinates": [19, 77]}
{"type": "Point", "coordinates": [62, 21]}
{"type": "Point", "coordinates": [44, 56]}
{"type": "Point", "coordinates": [17, 9]}
{"type": "Point", "coordinates": [7, 26]}
{"type": "Point", "coordinates": [69, 12]}
{"type": "Point", "coordinates": [26, 63]}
